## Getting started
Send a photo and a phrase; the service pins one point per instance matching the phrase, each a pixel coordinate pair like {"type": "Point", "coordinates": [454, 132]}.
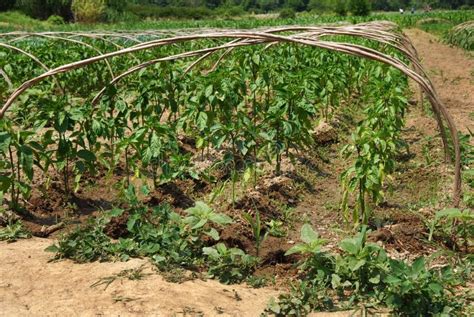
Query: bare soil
{"type": "Point", "coordinates": [452, 71]}
{"type": "Point", "coordinates": [30, 286]}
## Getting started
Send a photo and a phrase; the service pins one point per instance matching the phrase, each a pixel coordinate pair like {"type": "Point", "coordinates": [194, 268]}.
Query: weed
{"type": "Point", "coordinates": [276, 228]}
{"type": "Point", "coordinates": [256, 225]}
{"type": "Point", "coordinates": [130, 274]}
{"type": "Point", "coordinates": [454, 227]}
{"type": "Point", "coordinates": [257, 281]}
{"type": "Point", "coordinates": [14, 231]}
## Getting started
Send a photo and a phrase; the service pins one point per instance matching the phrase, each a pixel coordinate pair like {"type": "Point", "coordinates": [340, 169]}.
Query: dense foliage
{"type": "Point", "coordinates": [132, 10]}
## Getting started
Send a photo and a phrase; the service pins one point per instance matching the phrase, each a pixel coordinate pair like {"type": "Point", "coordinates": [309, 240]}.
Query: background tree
{"type": "Point", "coordinates": [43, 9]}
{"type": "Point", "coordinates": [359, 7]}
{"type": "Point", "coordinates": [6, 5]}
{"type": "Point", "coordinates": [341, 7]}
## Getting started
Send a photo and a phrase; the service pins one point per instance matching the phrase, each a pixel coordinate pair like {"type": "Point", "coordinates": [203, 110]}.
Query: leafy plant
{"type": "Point", "coordinates": [229, 265]}
{"type": "Point", "coordinates": [303, 298]}
{"type": "Point", "coordinates": [200, 215]}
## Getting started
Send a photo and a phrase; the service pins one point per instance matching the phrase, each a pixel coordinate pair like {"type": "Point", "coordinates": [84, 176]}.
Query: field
{"type": "Point", "coordinates": [238, 167]}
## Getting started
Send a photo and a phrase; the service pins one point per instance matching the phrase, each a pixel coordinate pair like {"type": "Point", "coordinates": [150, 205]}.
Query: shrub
{"type": "Point", "coordinates": [359, 7]}
{"type": "Point", "coordinates": [287, 13]}
{"type": "Point", "coordinates": [297, 5]}
{"type": "Point", "coordinates": [6, 5]}
{"type": "Point", "coordinates": [55, 20]}
{"type": "Point", "coordinates": [88, 11]}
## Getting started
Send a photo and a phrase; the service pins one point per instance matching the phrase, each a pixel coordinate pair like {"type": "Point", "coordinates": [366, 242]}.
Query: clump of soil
{"type": "Point", "coordinates": [405, 234]}
{"type": "Point", "coordinates": [178, 194]}
{"type": "Point", "coordinates": [117, 226]}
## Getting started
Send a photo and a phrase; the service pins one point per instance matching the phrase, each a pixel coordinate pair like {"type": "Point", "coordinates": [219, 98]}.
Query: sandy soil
{"type": "Point", "coordinates": [30, 286]}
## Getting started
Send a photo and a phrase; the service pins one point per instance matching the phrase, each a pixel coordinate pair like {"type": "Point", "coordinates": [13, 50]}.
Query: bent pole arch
{"type": "Point", "coordinates": [381, 32]}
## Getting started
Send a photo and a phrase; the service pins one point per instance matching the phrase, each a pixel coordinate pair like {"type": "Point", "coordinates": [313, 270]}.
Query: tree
{"type": "Point", "coordinates": [359, 7]}
{"type": "Point", "coordinates": [341, 7]}
{"type": "Point", "coordinates": [43, 9]}
{"type": "Point", "coordinates": [117, 5]}
{"type": "Point", "coordinates": [320, 5]}
{"type": "Point", "coordinates": [6, 5]}
{"type": "Point", "coordinates": [297, 5]}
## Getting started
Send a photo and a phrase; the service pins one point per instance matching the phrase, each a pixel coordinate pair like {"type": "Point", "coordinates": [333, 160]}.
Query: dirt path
{"type": "Point", "coordinates": [452, 72]}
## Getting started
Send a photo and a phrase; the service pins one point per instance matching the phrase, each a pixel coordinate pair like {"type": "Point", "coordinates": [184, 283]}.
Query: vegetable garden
{"type": "Point", "coordinates": [223, 111]}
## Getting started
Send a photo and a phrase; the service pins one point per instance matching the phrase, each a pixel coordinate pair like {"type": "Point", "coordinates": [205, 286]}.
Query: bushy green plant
{"type": "Point", "coordinates": [287, 13]}
{"type": "Point", "coordinates": [201, 216]}
{"type": "Point", "coordinates": [42, 9]}
{"type": "Point", "coordinates": [363, 272]}
{"type": "Point", "coordinates": [157, 12]}
{"type": "Point", "coordinates": [55, 20]}
{"type": "Point", "coordinates": [84, 244]}
{"type": "Point", "coordinates": [416, 290]}
{"type": "Point", "coordinates": [304, 298]}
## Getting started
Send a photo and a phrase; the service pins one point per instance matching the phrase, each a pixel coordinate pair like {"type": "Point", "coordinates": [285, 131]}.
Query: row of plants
{"type": "Point", "coordinates": [462, 35]}
{"type": "Point", "coordinates": [252, 109]}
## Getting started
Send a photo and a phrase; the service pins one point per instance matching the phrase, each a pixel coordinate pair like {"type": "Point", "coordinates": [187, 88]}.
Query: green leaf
{"type": "Point", "coordinates": [299, 248]}
{"type": "Point", "coordinates": [116, 212]}
{"type": "Point", "coordinates": [199, 224]}
{"type": "Point", "coordinates": [308, 235]}
{"type": "Point", "coordinates": [375, 279]}
{"type": "Point", "coordinates": [435, 287]}
{"type": "Point", "coordinates": [213, 234]}
{"type": "Point", "coordinates": [418, 265]}
{"type": "Point", "coordinates": [211, 252]}
{"type": "Point", "coordinates": [52, 248]}
{"type": "Point", "coordinates": [221, 219]}
{"type": "Point", "coordinates": [349, 246]}
{"type": "Point", "coordinates": [86, 155]}
{"type": "Point", "coordinates": [5, 183]}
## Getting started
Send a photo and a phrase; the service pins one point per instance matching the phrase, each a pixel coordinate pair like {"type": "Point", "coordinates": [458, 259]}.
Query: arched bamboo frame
{"type": "Point", "coordinates": [382, 32]}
